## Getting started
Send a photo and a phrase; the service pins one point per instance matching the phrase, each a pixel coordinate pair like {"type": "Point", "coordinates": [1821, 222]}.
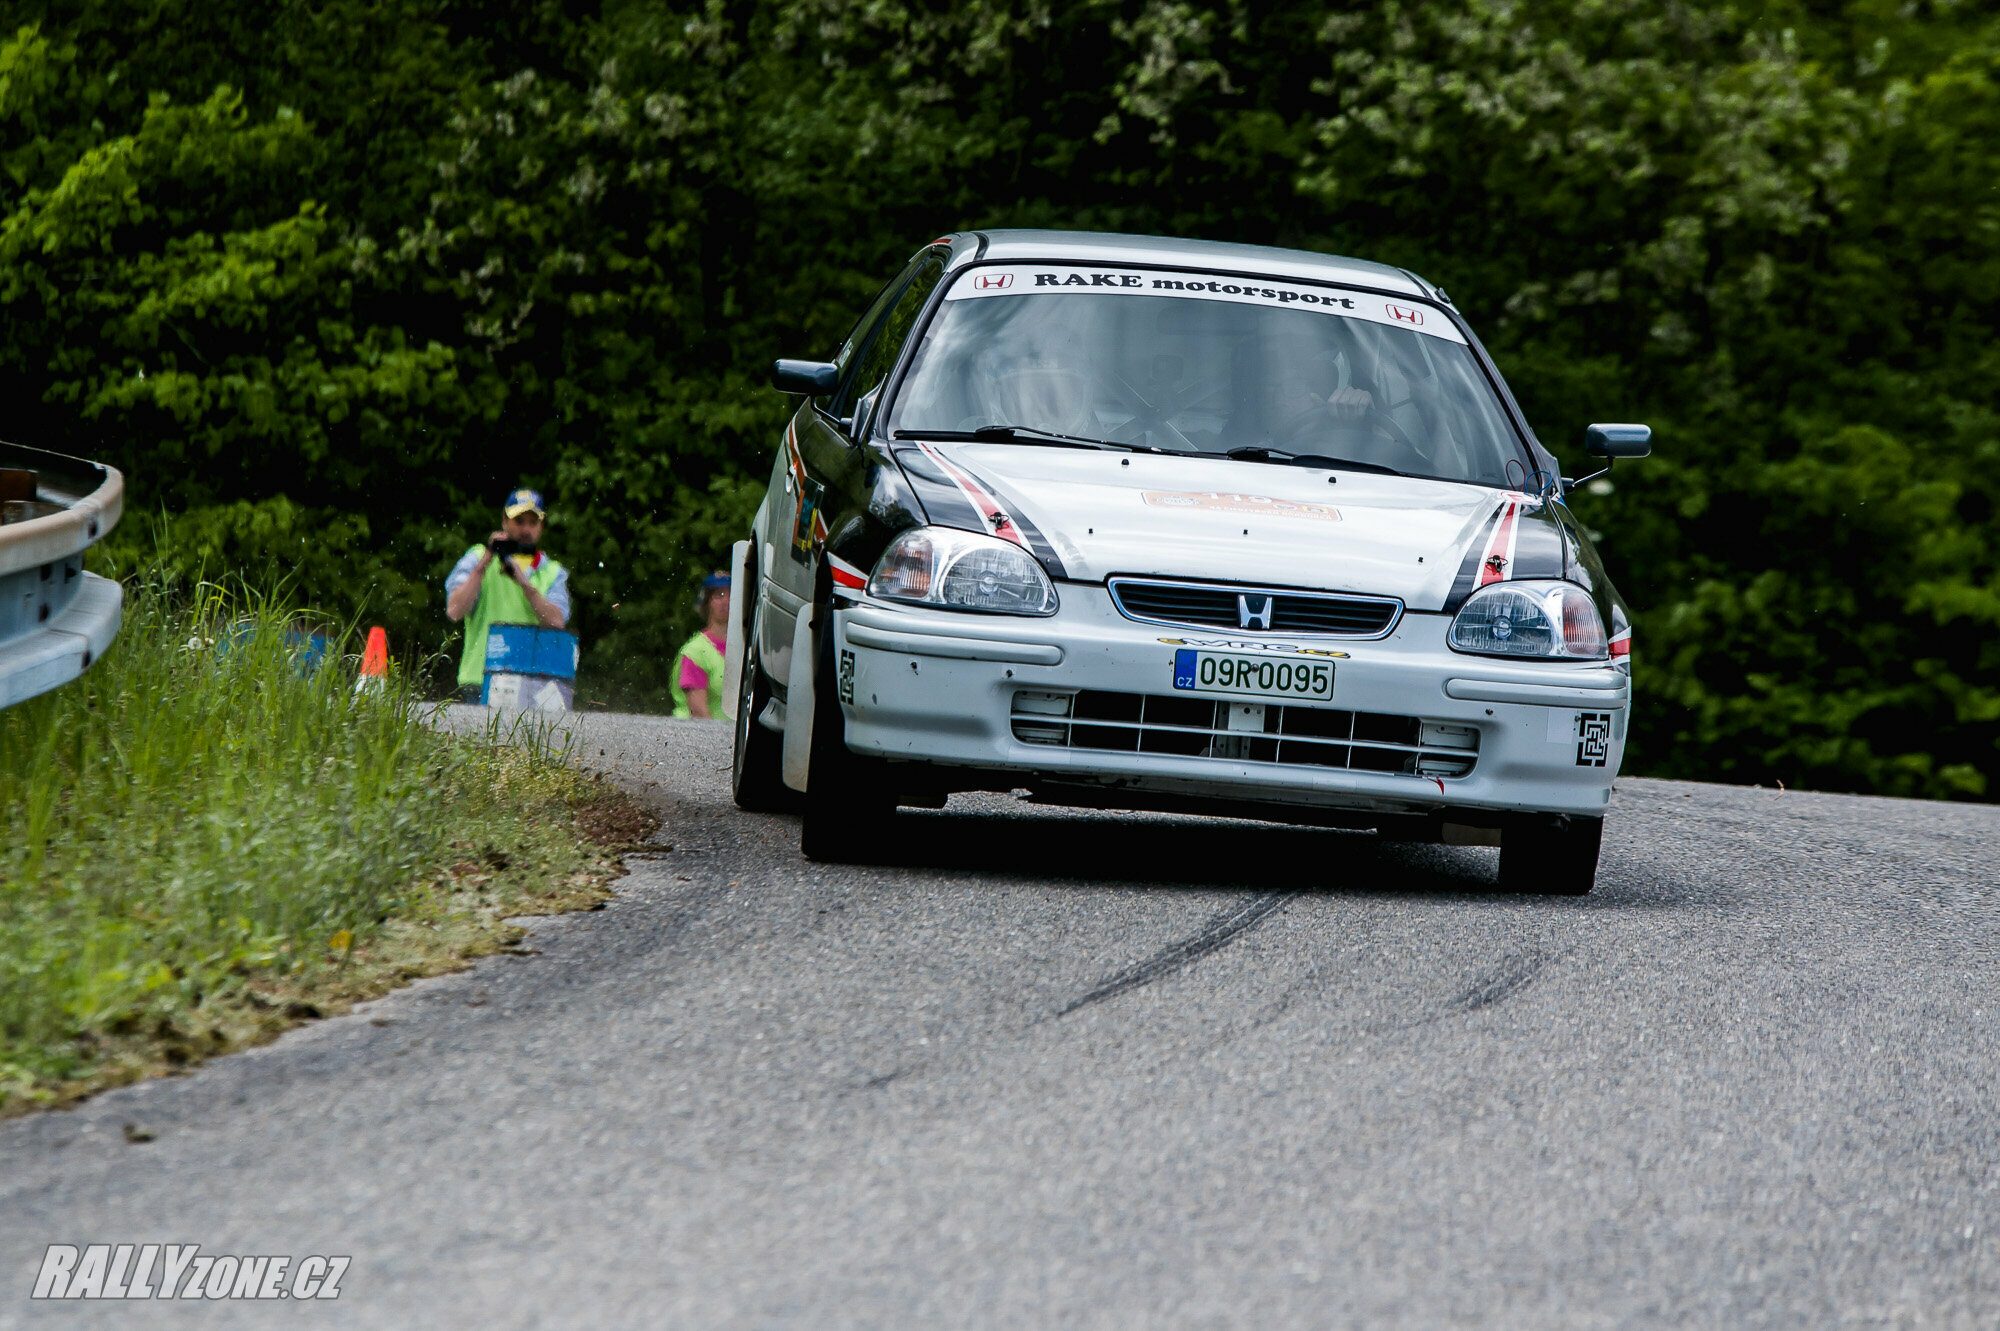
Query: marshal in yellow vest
{"type": "Point", "coordinates": [501, 601]}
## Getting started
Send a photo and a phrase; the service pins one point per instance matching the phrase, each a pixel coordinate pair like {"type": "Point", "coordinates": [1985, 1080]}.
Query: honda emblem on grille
{"type": "Point", "coordinates": [1254, 612]}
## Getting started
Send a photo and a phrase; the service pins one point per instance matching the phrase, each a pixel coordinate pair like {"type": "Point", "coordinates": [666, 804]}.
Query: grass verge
{"type": "Point", "coordinates": [212, 836]}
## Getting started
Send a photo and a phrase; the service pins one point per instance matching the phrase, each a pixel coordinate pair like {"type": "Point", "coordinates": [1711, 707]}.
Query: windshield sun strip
{"type": "Point", "coordinates": [1524, 439]}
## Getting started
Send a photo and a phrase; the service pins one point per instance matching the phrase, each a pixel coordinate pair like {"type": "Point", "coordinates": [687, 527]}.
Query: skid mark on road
{"type": "Point", "coordinates": [1217, 933]}
{"type": "Point", "coordinates": [1505, 979]}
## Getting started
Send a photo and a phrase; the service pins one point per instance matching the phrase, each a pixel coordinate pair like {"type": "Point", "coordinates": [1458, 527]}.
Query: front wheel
{"type": "Point", "coordinates": [848, 811]}
{"type": "Point", "coordinates": [1552, 854]}
{"type": "Point", "coordinates": [756, 772]}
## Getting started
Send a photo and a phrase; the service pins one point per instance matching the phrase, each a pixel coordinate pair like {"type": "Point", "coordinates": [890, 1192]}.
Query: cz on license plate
{"type": "Point", "coordinates": [1258, 676]}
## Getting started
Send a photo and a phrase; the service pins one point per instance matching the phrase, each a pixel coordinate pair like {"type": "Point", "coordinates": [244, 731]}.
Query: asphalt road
{"type": "Point", "coordinates": [1057, 1069]}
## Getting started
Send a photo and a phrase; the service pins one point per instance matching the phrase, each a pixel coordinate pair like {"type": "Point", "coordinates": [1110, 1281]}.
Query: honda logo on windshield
{"type": "Point", "coordinates": [1254, 612]}
{"type": "Point", "coordinates": [1403, 314]}
{"type": "Point", "coordinates": [993, 281]}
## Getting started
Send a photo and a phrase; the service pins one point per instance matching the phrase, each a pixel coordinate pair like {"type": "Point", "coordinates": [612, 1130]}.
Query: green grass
{"type": "Point", "coordinates": [205, 839]}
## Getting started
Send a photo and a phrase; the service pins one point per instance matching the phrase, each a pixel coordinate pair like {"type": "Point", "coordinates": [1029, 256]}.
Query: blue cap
{"type": "Point", "coordinates": [715, 582]}
{"type": "Point", "coordinates": [524, 501]}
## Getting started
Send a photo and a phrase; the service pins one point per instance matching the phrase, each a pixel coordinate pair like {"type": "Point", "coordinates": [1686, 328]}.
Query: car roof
{"type": "Point", "coordinates": [1207, 255]}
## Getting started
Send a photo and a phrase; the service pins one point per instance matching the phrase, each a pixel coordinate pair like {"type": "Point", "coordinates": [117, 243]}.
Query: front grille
{"type": "Point", "coordinates": [1217, 606]}
{"type": "Point", "coordinates": [1244, 730]}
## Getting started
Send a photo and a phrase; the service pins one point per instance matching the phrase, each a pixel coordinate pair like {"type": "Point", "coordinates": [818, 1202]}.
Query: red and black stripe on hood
{"type": "Point", "coordinates": [1523, 538]}
{"type": "Point", "coordinates": [953, 495]}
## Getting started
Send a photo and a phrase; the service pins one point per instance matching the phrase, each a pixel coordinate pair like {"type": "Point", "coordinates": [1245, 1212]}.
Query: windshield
{"type": "Point", "coordinates": [1193, 363]}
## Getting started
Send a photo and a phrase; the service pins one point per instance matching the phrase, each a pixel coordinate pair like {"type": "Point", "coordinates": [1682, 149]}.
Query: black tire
{"type": "Point", "coordinates": [756, 772]}
{"type": "Point", "coordinates": [1551, 854]}
{"type": "Point", "coordinates": [848, 813]}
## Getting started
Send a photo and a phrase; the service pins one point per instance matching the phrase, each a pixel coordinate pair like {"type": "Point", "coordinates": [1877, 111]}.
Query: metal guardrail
{"type": "Point", "coordinates": [55, 619]}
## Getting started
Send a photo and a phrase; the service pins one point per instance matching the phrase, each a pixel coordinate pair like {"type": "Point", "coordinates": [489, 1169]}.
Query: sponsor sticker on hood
{"type": "Point", "coordinates": [1215, 501]}
{"type": "Point", "coordinates": [1011, 281]}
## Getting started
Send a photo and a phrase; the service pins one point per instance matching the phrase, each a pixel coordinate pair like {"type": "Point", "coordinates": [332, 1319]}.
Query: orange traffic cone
{"type": "Point", "coordinates": [374, 660]}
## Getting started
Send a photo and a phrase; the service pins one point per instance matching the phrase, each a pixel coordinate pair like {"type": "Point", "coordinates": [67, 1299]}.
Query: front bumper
{"type": "Point", "coordinates": [944, 688]}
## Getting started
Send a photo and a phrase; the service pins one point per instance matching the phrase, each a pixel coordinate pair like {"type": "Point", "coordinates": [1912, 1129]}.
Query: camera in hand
{"type": "Point", "coordinates": [508, 546]}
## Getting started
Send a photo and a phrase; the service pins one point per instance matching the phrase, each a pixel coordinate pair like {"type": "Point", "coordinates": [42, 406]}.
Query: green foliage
{"type": "Point", "coordinates": [386, 260]}
{"type": "Point", "coordinates": [320, 557]}
{"type": "Point", "coordinates": [203, 811]}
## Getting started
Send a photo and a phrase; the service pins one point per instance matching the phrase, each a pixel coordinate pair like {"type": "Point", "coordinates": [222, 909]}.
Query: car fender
{"type": "Point", "coordinates": [732, 655]}
{"type": "Point", "coordinates": [797, 762]}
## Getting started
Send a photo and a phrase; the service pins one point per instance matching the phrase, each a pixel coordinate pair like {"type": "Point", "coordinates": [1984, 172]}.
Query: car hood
{"type": "Point", "coordinates": [1092, 514]}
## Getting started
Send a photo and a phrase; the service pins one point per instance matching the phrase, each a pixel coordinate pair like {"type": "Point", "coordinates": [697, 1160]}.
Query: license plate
{"type": "Point", "coordinates": [1253, 676]}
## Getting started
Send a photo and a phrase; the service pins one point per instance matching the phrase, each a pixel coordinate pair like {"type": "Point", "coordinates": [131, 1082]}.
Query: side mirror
{"type": "Point", "coordinates": [1618, 441]}
{"type": "Point", "coordinates": [813, 378]}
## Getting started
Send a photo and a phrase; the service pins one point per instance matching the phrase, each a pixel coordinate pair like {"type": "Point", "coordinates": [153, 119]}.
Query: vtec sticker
{"type": "Point", "coordinates": [1237, 645]}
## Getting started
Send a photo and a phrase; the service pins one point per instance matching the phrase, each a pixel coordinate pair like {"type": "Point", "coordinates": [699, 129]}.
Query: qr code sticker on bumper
{"type": "Point", "coordinates": [1593, 738]}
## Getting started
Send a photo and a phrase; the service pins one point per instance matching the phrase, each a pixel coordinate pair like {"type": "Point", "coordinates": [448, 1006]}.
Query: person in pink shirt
{"type": "Point", "coordinates": [697, 677]}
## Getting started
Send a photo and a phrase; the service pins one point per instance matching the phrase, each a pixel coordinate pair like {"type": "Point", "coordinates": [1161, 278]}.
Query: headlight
{"type": "Point", "coordinates": [962, 570]}
{"type": "Point", "coordinates": [1546, 619]}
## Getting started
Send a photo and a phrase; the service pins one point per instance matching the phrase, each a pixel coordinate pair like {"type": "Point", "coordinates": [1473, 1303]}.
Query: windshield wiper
{"type": "Point", "coordinates": [1257, 453]}
{"type": "Point", "coordinates": [1022, 434]}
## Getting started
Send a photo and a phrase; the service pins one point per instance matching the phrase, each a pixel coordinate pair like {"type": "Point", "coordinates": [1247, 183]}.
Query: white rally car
{"type": "Point", "coordinates": [1144, 523]}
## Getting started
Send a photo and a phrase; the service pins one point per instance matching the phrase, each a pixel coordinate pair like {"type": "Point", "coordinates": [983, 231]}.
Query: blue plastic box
{"type": "Point", "coordinates": [529, 667]}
